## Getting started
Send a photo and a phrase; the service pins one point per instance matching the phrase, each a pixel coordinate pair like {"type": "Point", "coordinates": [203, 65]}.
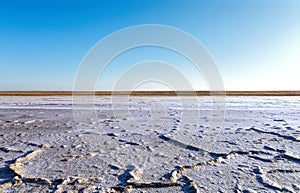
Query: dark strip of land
{"type": "Point", "coordinates": [150, 93]}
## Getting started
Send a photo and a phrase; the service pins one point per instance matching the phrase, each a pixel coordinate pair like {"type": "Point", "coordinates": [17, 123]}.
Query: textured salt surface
{"type": "Point", "coordinates": [42, 148]}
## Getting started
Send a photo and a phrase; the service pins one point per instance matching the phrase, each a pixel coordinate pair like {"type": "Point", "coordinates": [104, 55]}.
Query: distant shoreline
{"type": "Point", "coordinates": [150, 93]}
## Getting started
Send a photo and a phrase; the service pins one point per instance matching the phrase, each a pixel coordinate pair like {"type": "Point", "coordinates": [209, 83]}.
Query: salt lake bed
{"type": "Point", "coordinates": [150, 144]}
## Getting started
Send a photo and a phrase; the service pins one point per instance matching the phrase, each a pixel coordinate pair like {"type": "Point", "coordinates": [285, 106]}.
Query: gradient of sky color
{"type": "Point", "coordinates": [255, 43]}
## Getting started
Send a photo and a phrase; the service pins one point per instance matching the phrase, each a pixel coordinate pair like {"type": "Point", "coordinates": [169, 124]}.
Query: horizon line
{"type": "Point", "coordinates": [154, 93]}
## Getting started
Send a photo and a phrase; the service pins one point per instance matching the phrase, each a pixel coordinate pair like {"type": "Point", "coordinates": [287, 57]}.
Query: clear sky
{"type": "Point", "coordinates": [255, 43]}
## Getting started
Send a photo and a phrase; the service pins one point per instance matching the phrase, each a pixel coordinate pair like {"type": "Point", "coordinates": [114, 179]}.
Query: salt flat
{"type": "Point", "coordinates": [145, 144]}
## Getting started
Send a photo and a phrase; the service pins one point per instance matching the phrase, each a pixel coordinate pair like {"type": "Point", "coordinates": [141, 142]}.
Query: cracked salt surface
{"type": "Point", "coordinates": [42, 149]}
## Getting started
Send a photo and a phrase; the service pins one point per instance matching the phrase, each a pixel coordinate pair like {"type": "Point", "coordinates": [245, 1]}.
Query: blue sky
{"type": "Point", "coordinates": [255, 43]}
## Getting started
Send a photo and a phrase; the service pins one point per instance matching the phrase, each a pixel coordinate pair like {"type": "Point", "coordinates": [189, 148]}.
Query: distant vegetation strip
{"type": "Point", "coordinates": [150, 93]}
